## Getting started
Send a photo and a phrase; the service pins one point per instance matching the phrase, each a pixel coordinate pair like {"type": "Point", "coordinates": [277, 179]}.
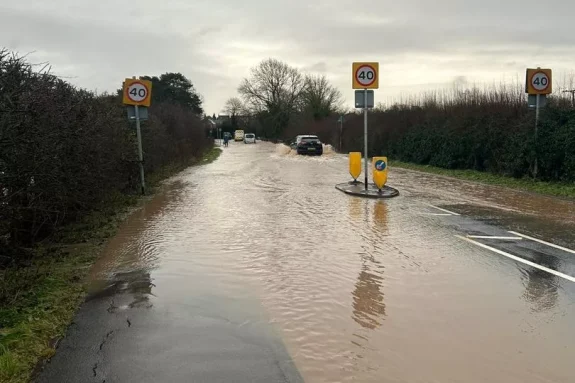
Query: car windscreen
{"type": "Point", "coordinates": [309, 139]}
{"type": "Point", "coordinates": [250, 136]}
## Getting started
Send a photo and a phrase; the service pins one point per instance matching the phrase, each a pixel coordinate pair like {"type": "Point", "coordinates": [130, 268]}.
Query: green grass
{"type": "Point", "coordinates": [555, 189]}
{"type": "Point", "coordinates": [38, 301]}
{"type": "Point", "coordinates": [45, 296]}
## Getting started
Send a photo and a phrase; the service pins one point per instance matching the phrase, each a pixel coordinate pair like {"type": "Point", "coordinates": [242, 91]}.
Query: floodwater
{"type": "Point", "coordinates": [358, 290]}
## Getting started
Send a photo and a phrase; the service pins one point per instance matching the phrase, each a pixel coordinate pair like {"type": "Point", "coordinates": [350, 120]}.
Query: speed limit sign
{"type": "Point", "coordinates": [539, 81]}
{"type": "Point", "coordinates": [137, 92]}
{"type": "Point", "coordinates": [365, 75]}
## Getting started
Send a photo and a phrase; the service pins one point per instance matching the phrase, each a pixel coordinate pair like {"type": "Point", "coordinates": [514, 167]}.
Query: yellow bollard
{"type": "Point", "coordinates": [379, 166]}
{"type": "Point", "coordinates": [355, 165]}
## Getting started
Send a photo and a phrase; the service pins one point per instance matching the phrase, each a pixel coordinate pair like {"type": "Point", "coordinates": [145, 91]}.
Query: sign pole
{"type": "Point", "coordinates": [138, 93]}
{"type": "Point", "coordinates": [366, 162]}
{"type": "Point", "coordinates": [140, 151]}
{"type": "Point", "coordinates": [365, 76]}
{"type": "Point", "coordinates": [539, 82]}
{"type": "Point", "coordinates": [535, 166]}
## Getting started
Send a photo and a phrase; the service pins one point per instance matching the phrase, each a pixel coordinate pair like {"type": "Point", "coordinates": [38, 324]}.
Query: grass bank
{"type": "Point", "coordinates": [554, 189]}
{"type": "Point", "coordinates": [40, 299]}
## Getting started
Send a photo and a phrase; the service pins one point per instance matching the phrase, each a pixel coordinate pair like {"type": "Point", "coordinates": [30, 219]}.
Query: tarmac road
{"type": "Point", "coordinates": [255, 269]}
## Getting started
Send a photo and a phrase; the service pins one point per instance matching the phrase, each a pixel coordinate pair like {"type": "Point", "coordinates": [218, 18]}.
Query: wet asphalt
{"type": "Point", "coordinates": [255, 269]}
{"type": "Point", "coordinates": [122, 335]}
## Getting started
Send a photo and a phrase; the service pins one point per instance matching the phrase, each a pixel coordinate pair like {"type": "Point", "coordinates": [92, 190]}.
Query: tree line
{"type": "Point", "coordinates": [66, 152]}
{"type": "Point", "coordinates": [490, 129]}
{"type": "Point", "coordinates": [276, 97]}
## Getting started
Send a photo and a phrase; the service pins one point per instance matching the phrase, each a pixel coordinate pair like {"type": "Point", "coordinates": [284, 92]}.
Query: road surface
{"type": "Point", "coordinates": [255, 269]}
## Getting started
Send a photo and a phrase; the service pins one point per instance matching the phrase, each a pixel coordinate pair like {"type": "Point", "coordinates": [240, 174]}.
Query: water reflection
{"type": "Point", "coordinates": [541, 286]}
{"type": "Point", "coordinates": [380, 212]}
{"type": "Point", "coordinates": [368, 304]}
{"type": "Point", "coordinates": [368, 299]}
{"type": "Point", "coordinates": [355, 208]}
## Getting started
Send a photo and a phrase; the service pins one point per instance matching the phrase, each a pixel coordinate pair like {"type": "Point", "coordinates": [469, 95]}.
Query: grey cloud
{"type": "Point", "coordinates": [318, 67]}
{"type": "Point", "coordinates": [83, 41]}
{"type": "Point", "coordinates": [215, 41]}
{"type": "Point", "coordinates": [411, 26]}
{"type": "Point", "coordinates": [99, 56]}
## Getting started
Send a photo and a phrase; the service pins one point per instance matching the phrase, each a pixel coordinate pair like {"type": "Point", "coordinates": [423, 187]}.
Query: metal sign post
{"type": "Point", "coordinates": [536, 162]}
{"type": "Point", "coordinates": [365, 146]}
{"type": "Point", "coordinates": [538, 83]}
{"type": "Point", "coordinates": [137, 93]}
{"type": "Point", "coordinates": [140, 151]}
{"type": "Point", "coordinates": [365, 76]}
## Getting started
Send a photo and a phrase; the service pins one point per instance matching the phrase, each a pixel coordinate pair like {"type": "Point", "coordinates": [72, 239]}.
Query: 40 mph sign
{"type": "Point", "coordinates": [137, 92]}
{"type": "Point", "coordinates": [365, 75]}
{"type": "Point", "coordinates": [539, 81]}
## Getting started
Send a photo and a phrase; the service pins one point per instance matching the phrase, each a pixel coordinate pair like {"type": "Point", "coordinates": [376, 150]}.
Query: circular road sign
{"type": "Point", "coordinates": [540, 81]}
{"type": "Point", "coordinates": [365, 75]}
{"type": "Point", "coordinates": [137, 92]}
{"type": "Point", "coordinates": [380, 165]}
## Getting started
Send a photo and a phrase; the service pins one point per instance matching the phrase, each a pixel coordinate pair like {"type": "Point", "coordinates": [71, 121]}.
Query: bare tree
{"type": "Point", "coordinates": [234, 106]}
{"type": "Point", "coordinates": [274, 89]}
{"type": "Point", "coordinates": [319, 97]}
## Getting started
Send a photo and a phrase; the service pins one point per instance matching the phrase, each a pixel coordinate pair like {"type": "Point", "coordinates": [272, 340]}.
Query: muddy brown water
{"type": "Point", "coordinates": [359, 290]}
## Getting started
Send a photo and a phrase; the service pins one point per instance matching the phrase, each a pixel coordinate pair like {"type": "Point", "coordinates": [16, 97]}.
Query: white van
{"type": "Point", "coordinates": [249, 138]}
{"type": "Point", "coordinates": [238, 135]}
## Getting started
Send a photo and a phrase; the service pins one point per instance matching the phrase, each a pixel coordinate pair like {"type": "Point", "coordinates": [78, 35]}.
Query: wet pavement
{"type": "Point", "coordinates": [256, 269]}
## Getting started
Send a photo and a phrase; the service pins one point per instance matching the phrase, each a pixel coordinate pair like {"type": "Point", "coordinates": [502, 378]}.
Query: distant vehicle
{"type": "Point", "coordinates": [249, 138]}
{"type": "Point", "coordinates": [307, 144]}
{"type": "Point", "coordinates": [239, 135]}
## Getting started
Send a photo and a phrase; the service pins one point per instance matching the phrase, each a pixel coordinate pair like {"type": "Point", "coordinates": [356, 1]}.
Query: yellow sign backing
{"type": "Point", "coordinates": [137, 92]}
{"type": "Point", "coordinates": [365, 75]}
{"type": "Point", "coordinates": [379, 165]}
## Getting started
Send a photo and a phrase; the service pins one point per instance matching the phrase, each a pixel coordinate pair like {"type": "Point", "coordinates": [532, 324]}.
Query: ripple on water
{"type": "Point", "coordinates": [361, 291]}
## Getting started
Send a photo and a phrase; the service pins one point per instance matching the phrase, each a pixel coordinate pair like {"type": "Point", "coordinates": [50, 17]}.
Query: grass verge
{"type": "Point", "coordinates": [38, 301]}
{"type": "Point", "coordinates": [554, 189]}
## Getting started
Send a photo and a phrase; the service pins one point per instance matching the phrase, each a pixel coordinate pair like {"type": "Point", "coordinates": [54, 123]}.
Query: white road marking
{"type": "Point", "coordinates": [544, 242]}
{"type": "Point", "coordinates": [444, 210]}
{"type": "Point", "coordinates": [518, 259]}
{"type": "Point", "coordinates": [492, 237]}
{"type": "Point", "coordinates": [440, 214]}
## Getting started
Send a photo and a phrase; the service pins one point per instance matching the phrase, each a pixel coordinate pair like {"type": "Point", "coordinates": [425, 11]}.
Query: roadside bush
{"type": "Point", "coordinates": [490, 130]}
{"type": "Point", "coordinates": [65, 151]}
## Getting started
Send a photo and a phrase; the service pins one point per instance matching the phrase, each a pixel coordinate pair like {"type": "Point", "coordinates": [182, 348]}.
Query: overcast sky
{"type": "Point", "coordinates": [420, 44]}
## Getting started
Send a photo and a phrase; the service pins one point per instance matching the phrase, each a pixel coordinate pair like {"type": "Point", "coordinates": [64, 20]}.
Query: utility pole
{"type": "Point", "coordinates": [572, 91]}
{"type": "Point", "coordinates": [340, 120]}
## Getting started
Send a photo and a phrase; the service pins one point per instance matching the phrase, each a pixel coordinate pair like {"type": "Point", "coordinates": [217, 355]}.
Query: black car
{"type": "Point", "coordinates": [308, 144]}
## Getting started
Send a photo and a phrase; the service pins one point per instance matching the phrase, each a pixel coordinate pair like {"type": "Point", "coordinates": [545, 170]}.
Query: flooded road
{"type": "Point", "coordinates": [312, 284]}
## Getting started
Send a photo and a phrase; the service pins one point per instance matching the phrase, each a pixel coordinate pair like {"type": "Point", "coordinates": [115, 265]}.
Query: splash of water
{"type": "Point", "coordinates": [328, 149]}
{"type": "Point", "coordinates": [284, 150]}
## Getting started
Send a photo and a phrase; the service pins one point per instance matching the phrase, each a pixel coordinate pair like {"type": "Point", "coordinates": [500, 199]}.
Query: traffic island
{"type": "Point", "coordinates": [377, 189]}
{"type": "Point", "coordinates": [358, 189]}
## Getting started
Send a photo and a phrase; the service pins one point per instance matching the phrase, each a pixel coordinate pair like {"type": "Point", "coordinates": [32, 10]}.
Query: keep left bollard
{"type": "Point", "coordinates": [379, 166]}
{"type": "Point", "coordinates": [355, 165]}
